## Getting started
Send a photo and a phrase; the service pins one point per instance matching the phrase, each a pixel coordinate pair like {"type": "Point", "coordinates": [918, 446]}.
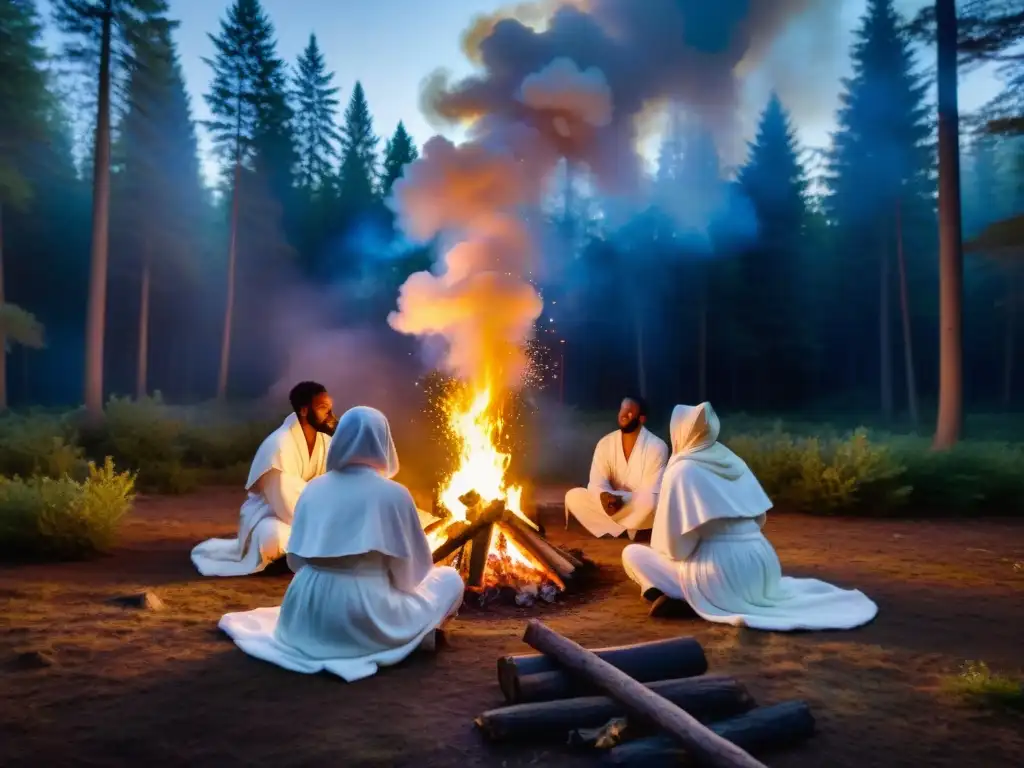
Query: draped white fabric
{"type": "Point", "coordinates": [636, 480]}
{"type": "Point", "coordinates": [365, 591]}
{"type": "Point", "coordinates": [284, 464]}
{"type": "Point", "coordinates": [707, 547]}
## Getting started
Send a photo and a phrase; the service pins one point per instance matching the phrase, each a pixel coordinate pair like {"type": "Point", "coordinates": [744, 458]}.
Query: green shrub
{"type": "Point", "coordinates": [63, 518]}
{"type": "Point", "coordinates": [831, 475]}
{"type": "Point", "coordinates": [981, 686]}
{"type": "Point", "coordinates": [43, 445]}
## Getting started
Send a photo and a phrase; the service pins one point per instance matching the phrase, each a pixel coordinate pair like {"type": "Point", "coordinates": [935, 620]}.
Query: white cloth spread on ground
{"type": "Point", "coordinates": [707, 547]}
{"type": "Point", "coordinates": [365, 592]}
{"type": "Point", "coordinates": [635, 481]}
{"type": "Point", "coordinates": [285, 464]}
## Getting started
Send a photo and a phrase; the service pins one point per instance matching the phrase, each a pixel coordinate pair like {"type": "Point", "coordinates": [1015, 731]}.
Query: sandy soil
{"type": "Point", "coordinates": [85, 683]}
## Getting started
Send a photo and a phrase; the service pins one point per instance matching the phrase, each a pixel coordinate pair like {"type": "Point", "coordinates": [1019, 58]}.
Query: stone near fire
{"type": "Point", "coordinates": [143, 601]}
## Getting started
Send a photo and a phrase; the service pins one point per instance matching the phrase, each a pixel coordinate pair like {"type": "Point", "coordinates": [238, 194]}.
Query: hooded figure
{"type": "Point", "coordinates": [366, 592]}
{"type": "Point", "coordinates": [707, 547]}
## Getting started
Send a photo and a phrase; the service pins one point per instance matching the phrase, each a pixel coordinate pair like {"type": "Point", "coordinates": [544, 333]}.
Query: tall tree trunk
{"type": "Point", "coordinates": [97, 305]}
{"type": "Point", "coordinates": [908, 349]}
{"type": "Point", "coordinates": [702, 341]}
{"type": "Point", "coordinates": [142, 363]}
{"type": "Point", "coordinates": [951, 257]}
{"type": "Point", "coordinates": [3, 335]}
{"type": "Point", "coordinates": [229, 302]}
{"type": "Point", "coordinates": [885, 332]}
{"type": "Point", "coordinates": [1009, 341]}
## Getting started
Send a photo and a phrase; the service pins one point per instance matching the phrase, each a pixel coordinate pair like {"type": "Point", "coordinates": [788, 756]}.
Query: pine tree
{"type": "Point", "coordinates": [358, 154]}
{"type": "Point", "coordinates": [251, 134]}
{"type": "Point", "coordinates": [772, 287]}
{"type": "Point", "coordinates": [881, 145]}
{"type": "Point", "coordinates": [159, 180]}
{"type": "Point", "coordinates": [316, 102]}
{"type": "Point", "coordinates": [23, 103]}
{"type": "Point", "coordinates": [398, 153]}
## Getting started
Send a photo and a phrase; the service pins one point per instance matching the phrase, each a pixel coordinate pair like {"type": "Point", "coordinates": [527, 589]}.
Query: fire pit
{"type": "Point", "coordinates": [482, 530]}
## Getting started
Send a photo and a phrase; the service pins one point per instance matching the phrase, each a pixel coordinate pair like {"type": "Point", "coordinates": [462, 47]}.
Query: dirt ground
{"type": "Point", "coordinates": [85, 683]}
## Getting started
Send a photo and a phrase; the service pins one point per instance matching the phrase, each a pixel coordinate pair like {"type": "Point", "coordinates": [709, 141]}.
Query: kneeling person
{"type": "Point", "coordinates": [625, 476]}
{"type": "Point", "coordinates": [366, 592]}
{"type": "Point", "coordinates": [289, 458]}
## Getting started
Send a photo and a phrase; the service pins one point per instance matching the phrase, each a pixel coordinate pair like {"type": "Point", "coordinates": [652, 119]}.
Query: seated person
{"type": "Point", "coordinates": [707, 547]}
{"type": "Point", "coordinates": [365, 592]}
{"type": "Point", "coordinates": [290, 457]}
{"type": "Point", "coordinates": [624, 477]}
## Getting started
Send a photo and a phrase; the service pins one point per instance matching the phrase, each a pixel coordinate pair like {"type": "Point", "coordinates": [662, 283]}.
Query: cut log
{"type": "Point", "coordinates": [490, 516]}
{"type": "Point", "coordinates": [478, 549]}
{"type": "Point", "coordinates": [707, 698]}
{"type": "Point", "coordinates": [553, 556]}
{"type": "Point", "coordinates": [535, 677]}
{"type": "Point", "coordinates": [776, 727]}
{"type": "Point", "coordinates": [706, 746]}
{"type": "Point", "coordinates": [512, 533]}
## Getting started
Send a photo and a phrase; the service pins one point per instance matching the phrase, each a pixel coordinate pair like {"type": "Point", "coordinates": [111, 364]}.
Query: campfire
{"type": "Point", "coordinates": [482, 529]}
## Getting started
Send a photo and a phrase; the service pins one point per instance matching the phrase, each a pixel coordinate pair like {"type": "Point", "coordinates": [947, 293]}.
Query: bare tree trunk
{"type": "Point", "coordinates": [97, 305]}
{"type": "Point", "coordinates": [908, 349]}
{"type": "Point", "coordinates": [885, 332]}
{"type": "Point", "coordinates": [702, 342]}
{"type": "Point", "coordinates": [3, 335]}
{"type": "Point", "coordinates": [951, 257]}
{"type": "Point", "coordinates": [229, 302]}
{"type": "Point", "coordinates": [142, 363]}
{"type": "Point", "coordinates": [1009, 340]}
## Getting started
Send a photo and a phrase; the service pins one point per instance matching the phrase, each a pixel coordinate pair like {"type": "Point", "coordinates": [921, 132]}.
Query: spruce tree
{"type": "Point", "coordinates": [251, 135]}
{"type": "Point", "coordinates": [358, 180]}
{"type": "Point", "coordinates": [316, 108]}
{"type": "Point", "coordinates": [881, 193]}
{"type": "Point", "coordinates": [772, 286]}
{"type": "Point", "coordinates": [398, 153]}
{"type": "Point", "coordinates": [23, 104]}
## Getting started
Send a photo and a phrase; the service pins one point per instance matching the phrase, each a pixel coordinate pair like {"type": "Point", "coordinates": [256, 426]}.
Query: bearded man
{"type": "Point", "coordinates": [625, 477]}
{"type": "Point", "coordinates": [287, 460]}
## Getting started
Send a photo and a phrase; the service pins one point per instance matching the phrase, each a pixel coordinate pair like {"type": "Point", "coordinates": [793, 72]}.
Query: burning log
{"type": "Point", "coordinates": [536, 677]}
{"type": "Point", "coordinates": [706, 746]}
{"type": "Point", "coordinates": [707, 698]}
{"type": "Point", "coordinates": [513, 533]}
{"type": "Point", "coordinates": [456, 541]}
{"type": "Point", "coordinates": [479, 549]}
{"type": "Point", "coordinates": [776, 727]}
{"type": "Point", "coordinates": [561, 562]}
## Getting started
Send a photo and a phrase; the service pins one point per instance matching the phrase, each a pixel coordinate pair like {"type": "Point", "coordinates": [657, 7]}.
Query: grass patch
{"type": "Point", "coordinates": [980, 686]}
{"type": "Point", "coordinates": [64, 518]}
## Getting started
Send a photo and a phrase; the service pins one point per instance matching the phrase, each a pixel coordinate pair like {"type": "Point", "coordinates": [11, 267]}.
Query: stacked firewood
{"type": "Point", "coordinates": [648, 704]}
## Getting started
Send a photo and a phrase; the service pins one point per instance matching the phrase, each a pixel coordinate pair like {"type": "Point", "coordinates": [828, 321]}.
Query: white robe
{"type": "Point", "coordinates": [365, 592]}
{"type": "Point", "coordinates": [285, 464]}
{"type": "Point", "coordinates": [707, 547]}
{"type": "Point", "coordinates": [636, 481]}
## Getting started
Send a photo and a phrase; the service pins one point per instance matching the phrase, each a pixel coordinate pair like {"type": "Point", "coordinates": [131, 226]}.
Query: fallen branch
{"type": "Point", "coordinates": [707, 698]}
{"type": "Point", "coordinates": [706, 747]}
{"type": "Point", "coordinates": [775, 727]}
{"type": "Point", "coordinates": [535, 677]}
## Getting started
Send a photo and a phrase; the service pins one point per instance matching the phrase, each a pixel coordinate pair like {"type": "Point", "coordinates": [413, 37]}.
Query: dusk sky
{"type": "Point", "coordinates": [391, 45]}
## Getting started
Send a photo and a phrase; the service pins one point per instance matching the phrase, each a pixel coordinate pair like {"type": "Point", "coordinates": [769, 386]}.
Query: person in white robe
{"type": "Point", "coordinates": [707, 547]}
{"type": "Point", "coordinates": [290, 457]}
{"type": "Point", "coordinates": [625, 476]}
{"type": "Point", "coordinates": [365, 593]}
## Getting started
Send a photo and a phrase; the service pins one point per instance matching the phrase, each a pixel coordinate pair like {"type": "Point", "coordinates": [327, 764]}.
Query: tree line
{"type": "Point", "coordinates": [803, 276]}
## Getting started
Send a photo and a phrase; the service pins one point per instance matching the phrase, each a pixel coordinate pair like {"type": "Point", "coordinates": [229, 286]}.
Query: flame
{"type": "Point", "coordinates": [481, 466]}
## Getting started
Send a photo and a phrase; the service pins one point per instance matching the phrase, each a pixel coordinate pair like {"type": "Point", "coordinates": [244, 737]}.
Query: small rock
{"type": "Point", "coordinates": [146, 601]}
{"type": "Point", "coordinates": [524, 599]}
{"type": "Point", "coordinates": [548, 593]}
{"type": "Point", "coordinates": [33, 660]}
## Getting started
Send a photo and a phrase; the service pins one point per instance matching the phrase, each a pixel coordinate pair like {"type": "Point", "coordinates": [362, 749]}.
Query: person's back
{"type": "Point", "coordinates": [365, 591]}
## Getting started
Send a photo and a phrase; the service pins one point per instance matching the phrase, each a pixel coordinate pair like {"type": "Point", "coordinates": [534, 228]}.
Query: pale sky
{"type": "Point", "coordinates": [391, 45]}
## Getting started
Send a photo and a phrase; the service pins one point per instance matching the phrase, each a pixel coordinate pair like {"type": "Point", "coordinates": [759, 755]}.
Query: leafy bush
{"type": "Point", "coordinates": [41, 444]}
{"type": "Point", "coordinates": [63, 518]}
{"type": "Point", "coordinates": [980, 685]}
{"type": "Point", "coordinates": [825, 475]}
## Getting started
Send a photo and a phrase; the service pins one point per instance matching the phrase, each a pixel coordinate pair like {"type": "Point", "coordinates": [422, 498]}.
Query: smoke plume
{"type": "Point", "coordinates": [557, 80]}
